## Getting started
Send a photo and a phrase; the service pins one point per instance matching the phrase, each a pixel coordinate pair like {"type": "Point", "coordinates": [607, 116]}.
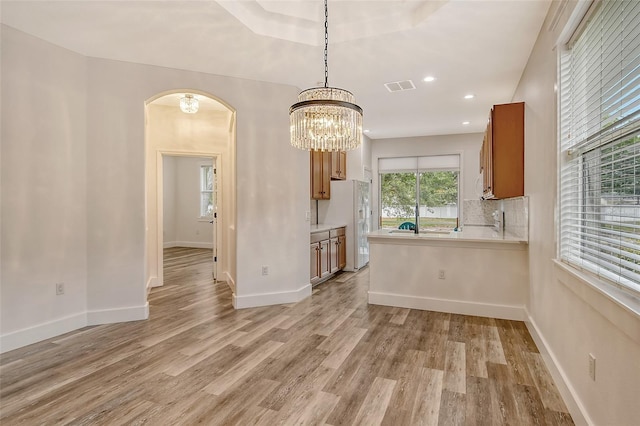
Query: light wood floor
{"type": "Point", "coordinates": [330, 359]}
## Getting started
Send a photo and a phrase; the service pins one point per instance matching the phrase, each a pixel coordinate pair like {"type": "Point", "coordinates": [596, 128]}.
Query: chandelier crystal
{"type": "Point", "coordinates": [189, 104]}
{"type": "Point", "coordinates": [326, 118]}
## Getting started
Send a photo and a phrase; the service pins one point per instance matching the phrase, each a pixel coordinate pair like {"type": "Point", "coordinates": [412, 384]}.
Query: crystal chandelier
{"type": "Point", "coordinates": [189, 104]}
{"type": "Point", "coordinates": [326, 118]}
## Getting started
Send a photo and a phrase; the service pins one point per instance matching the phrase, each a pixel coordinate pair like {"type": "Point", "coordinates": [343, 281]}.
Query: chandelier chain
{"type": "Point", "coordinates": [326, 44]}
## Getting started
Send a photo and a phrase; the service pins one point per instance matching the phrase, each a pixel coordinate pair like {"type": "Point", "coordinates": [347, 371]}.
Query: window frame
{"type": "Point", "coordinates": [571, 165]}
{"type": "Point", "coordinates": [202, 190]}
{"type": "Point", "coordinates": [417, 172]}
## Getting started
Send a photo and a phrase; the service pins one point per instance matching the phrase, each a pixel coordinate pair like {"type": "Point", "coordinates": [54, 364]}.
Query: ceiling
{"type": "Point", "coordinates": [474, 47]}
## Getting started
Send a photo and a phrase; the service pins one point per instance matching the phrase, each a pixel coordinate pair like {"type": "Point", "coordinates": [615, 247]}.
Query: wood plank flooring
{"type": "Point", "coordinates": [329, 359]}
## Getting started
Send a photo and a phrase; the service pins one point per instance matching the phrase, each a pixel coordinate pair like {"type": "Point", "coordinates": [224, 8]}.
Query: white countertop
{"type": "Point", "coordinates": [325, 227]}
{"type": "Point", "coordinates": [468, 233]}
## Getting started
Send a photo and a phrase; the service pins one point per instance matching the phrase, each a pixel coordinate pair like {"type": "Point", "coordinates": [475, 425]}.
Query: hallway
{"type": "Point", "coordinates": [329, 359]}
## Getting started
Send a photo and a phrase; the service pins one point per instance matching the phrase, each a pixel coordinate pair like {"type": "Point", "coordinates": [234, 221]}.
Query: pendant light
{"type": "Point", "coordinates": [189, 104]}
{"type": "Point", "coordinates": [326, 118]}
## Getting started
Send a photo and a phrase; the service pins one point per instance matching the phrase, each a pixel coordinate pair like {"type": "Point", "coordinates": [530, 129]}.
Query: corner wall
{"type": "Point", "coordinates": [44, 190]}
{"type": "Point", "coordinates": [568, 317]}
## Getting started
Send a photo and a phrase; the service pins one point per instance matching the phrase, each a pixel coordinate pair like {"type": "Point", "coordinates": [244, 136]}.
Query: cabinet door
{"type": "Point", "coordinates": [320, 165]}
{"type": "Point", "coordinates": [339, 165]}
{"type": "Point", "coordinates": [314, 261]}
{"type": "Point", "coordinates": [342, 252]}
{"type": "Point", "coordinates": [507, 169]}
{"type": "Point", "coordinates": [334, 257]}
{"type": "Point", "coordinates": [325, 261]}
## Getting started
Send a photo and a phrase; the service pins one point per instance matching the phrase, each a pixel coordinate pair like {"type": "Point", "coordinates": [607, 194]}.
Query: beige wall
{"type": "Point", "coordinates": [571, 318]}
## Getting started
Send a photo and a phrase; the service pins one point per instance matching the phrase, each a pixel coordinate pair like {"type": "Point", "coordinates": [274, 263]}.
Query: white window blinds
{"type": "Point", "coordinates": [431, 162]}
{"type": "Point", "coordinates": [600, 145]}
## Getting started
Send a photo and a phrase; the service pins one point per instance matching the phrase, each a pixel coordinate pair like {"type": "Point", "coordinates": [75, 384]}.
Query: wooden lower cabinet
{"type": "Point", "coordinates": [342, 251]}
{"type": "Point", "coordinates": [334, 250]}
{"type": "Point", "coordinates": [325, 259]}
{"type": "Point", "coordinates": [327, 254]}
{"type": "Point", "coordinates": [315, 257]}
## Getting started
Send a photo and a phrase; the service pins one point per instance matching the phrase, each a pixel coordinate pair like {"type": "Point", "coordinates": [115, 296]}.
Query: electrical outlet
{"type": "Point", "coordinates": [441, 274]}
{"type": "Point", "coordinates": [592, 367]}
{"type": "Point", "coordinates": [265, 270]}
{"type": "Point", "coordinates": [307, 216]}
{"type": "Point", "coordinates": [59, 289]}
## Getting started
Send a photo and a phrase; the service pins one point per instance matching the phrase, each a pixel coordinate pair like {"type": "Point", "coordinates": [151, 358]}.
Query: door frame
{"type": "Point", "coordinates": [217, 164]}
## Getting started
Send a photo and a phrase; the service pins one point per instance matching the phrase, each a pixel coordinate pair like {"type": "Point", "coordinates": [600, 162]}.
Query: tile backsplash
{"type": "Point", "coordinates": [478, 212]}
{"type": "Point", "coordinates": [516, 214]}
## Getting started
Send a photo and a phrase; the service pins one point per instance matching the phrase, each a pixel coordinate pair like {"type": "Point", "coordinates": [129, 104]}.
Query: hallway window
{"type": "Point", "coordinates": [206, 191]}
{"type": "Point", "coordinates": [600, 145]}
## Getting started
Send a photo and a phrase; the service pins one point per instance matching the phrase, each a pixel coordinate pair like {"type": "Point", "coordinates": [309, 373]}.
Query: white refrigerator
{"type": "Point", "coordinates": [350, 204]}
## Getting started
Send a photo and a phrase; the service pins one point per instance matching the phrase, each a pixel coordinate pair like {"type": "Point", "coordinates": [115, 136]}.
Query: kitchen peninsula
{"type": "Point", "coordinates": [477, 271]}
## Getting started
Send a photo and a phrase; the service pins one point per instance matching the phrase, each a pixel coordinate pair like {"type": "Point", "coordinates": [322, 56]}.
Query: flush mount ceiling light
{"type": "Point", "coordinates": [189, 104]}
{"type": "Point", "coordinates": [326, 118]}
{"type": "Point", "coordinates": [428, 79]}
{"type": "Point", "coordinates": [469, 96]}
{"type": "Point", "coordinates": [466, 123]}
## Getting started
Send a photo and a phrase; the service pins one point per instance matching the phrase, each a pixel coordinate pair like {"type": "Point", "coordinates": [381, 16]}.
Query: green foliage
{"type": "Point", "coordinates": [438, 189]}
{"type": "Point", "coordinates": [399, 193]}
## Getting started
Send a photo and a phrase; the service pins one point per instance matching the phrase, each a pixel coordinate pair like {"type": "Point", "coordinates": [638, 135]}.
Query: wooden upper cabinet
{"type": "Point", "coordinates": [502, 154]}
{"type": "Point", "coordinates": [320, 175]}
{"type": "Point", "coordinates": [339, 165]}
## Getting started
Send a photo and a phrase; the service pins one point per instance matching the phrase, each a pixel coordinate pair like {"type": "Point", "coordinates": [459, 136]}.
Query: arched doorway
{"type": "Point", "coordinates": [209, 137]}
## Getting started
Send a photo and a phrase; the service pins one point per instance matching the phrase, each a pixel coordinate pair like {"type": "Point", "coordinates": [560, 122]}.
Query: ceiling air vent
{"type": "Point", "coordinates": [399, 86]}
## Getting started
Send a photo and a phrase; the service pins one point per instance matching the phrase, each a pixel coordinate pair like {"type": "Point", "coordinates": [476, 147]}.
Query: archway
{"type": "Point", "coordinates": [209, 133]}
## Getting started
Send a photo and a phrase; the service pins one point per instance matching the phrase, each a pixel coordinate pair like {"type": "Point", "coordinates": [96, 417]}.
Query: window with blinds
{"type": "Point", "coordinates": [600, 144]}
{"type": "Point", "coordinates": [419, 191]}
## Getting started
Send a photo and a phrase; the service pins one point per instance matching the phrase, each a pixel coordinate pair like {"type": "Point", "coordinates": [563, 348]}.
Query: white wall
{"type": "Point", "coordinates": [569, 316]}
{"type": "Point", "coordinates": [168, 200]}
{"type": "Point", "coordinates": [359, 159]}
{"type": "Point", "coordinates": [44, 190]}
{"type": "Point", "coordinates": [191, 230]}
{"type": "Point", "coordinates": [467, 145]}
{"type": "Point", "coordinates": [182, 225]}
{"type": "Point", "coordinates": [89, 141]}
{"type": "Point", "coordinates": [481, 278]}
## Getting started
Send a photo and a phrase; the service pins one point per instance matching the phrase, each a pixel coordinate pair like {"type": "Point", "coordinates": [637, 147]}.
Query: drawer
{"type": "Point", "coordinates": [319, 236]}
{"type": "Point", "coordinates": [336, 232]}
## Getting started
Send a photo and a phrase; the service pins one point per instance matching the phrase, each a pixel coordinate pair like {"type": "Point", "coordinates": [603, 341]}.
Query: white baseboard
{"type": "Point", "coordinates": [37, 333]}
{"type": "Point", "coordinates": [153, 282]}
{"type": "Point", "coordinates": [188, 244]}
{"type": "Point", "coordinates": [265, 299]}
{"type": "Point", "coordinates": [568, 393]}
{"type": "Point", "coordinates": [509, 312]}
{"type": "Point", "coordinates": [110, 316]}
{"type": "Point", "coordinates": [230, 282]}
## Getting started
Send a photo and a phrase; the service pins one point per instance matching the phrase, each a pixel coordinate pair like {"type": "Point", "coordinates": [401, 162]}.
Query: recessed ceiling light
{"type": "Point", "coordinates": [366, 130]}
{"type": "Point", "coordinates": [465, 122]}
{"type": "Point", "coordinates": [428, 79]}
{"type": "Point", "coordinates": [469, 96]}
